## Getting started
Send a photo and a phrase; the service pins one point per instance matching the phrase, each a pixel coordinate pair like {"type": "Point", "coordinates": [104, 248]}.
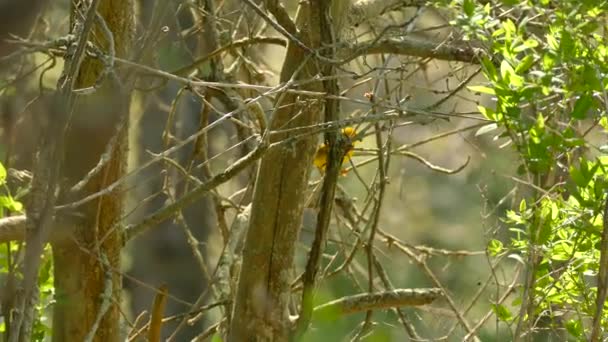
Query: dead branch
{"type": "Point", "coordinates": [413, 47]}
{"type": "Point", "coordinates": [12, 228]}
{"type": "Point", "coordinates": [378, 301]}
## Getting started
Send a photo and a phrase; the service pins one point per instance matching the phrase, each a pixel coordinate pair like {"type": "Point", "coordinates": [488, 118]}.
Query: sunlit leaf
{"type": "Point", "coordinates": [525, 64]}
{"type": "Point", "coordinates": [495, 247]}
{"type": "Point", "coordinates": [2, 174]}
{"type": "Point", "coordinates": [10, 204]}
{"type": "Point", "coordinates": [482, 89]}
{"type": "Point", "coordinates": [486, 129]}
{"type": "Point", "coordinates": [581, 107]}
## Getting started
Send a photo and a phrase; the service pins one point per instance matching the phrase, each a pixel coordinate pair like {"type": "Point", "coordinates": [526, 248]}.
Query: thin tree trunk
{"type": "Point", "coordinates": [87, 282]}
{"type": "Point", "coordinates": [260, 310]}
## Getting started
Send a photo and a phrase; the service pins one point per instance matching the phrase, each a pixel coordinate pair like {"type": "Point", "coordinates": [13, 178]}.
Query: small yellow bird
{"type": "Point", "coordinates": [320, 160]}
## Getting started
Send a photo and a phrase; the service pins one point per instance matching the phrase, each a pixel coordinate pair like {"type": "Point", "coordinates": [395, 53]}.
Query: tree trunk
{"type": "Point", "coordinates": [260, 310]}
{"type": "Point", "coordinates": [87, 263]}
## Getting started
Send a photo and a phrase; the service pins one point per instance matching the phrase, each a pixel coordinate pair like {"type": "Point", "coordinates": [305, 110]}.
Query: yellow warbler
{"type": "Point", "coordinates": [320, 160]}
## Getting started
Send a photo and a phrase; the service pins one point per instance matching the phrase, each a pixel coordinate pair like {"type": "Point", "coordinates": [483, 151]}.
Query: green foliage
{"type": "Point", "coordinates": [8, 253]}
{"type": "Point", "coordinates": [502, 312]}
{"type": "Point", "coordinates": [545, 66]}
{"type": "Point", "coordinates": [216, 338]}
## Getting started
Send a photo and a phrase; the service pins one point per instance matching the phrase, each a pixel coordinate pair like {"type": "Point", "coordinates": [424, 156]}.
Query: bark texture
{"type": "Point", "coordinates": [260, 310]}
{"type": "Point", "coordinates": [87, 262]}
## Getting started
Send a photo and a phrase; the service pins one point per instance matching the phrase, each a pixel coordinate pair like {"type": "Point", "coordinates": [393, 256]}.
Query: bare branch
{"type": "Point", "coordinates": [12, 228]}
{"type": "Point", "coordinates": [379, 301]}
{"type": "Point", "coordinates": [171, 209]}
{"type": "Point", "coordinates": [337, 149]}
{"type": "Point", "coordinates": [602, 279]}
{"type": "Point", "coordinates": [413, 47]}
{"type": "Point", "coordinates": [46, 177]}
{"type": "Point", "coordinates": [278, 11]}
{"type": "Point", "coordinates": [501, 300]}
{"type": "Point", "coordinates": [184, 71]}
{"type": "Point", "coordinates": [364, 10]}
{"type": "Point", "coordinates": [108, 288]}
{"type": "Point", "coordinates": [407, 325]}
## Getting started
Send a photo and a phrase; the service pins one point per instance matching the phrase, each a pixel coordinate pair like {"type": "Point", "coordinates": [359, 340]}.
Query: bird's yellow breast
{"type": "Point", "coordinates": [320, 160]}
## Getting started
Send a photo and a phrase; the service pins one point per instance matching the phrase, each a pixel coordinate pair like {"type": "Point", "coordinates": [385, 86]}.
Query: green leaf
{"type": "Point", "coordinates": [9, 203]}
{"type": "Point", "coordinates": [506, 70]}
{"type": "Point", "coordinates": [525, 64]}
{"type": "Point", "coordinates": [540, 122]}
{"type": "Point", "coordinates": [514, 217]}
{"type": "Point", "coordinates": [502, 312]}
{"type": "Point", "coordinates": [216, 338]}
{"type": "Point", "coordinates": [2, 174]}
{"type": "Point", "coordinates": [486, 129]}
{"type": "Point", "coordinates": [509, 28]}
{"type": "Point", "coordinates": [577, 176]}
{"type": "Point", "coordinates": [551, 41]}
{"type": "Point", "coordinates": [489, 69]}
{"type": "Point", "coordinates": [548, 61]}
{"type": "Point", "coordinates": [562, 252]}
{"type": "Point", "coordinates": [581, 107]}
{"type": "Point", "coordinates": [495, 247]}
{"type": "Point", "coordinates": [482, 89]}
{"type": "Point", "coordinates": [468, 6]}
{"type": "Point", "coordinates": [525, 45]}
{"type": "Point", "coordinates": [567, 46]}
{"type": "Point", "coordinates": [531, 43]}
{"type": "Point", "coordinates": [604, 123]}
{"type": "Point", "coordinates": [489, 113]}
{"type": "Point", "coordinates": [574, 328]}
{"type": "Point", "coordinates": [545, 231]}
{"type": "Point", "coordinates": [536, 135]}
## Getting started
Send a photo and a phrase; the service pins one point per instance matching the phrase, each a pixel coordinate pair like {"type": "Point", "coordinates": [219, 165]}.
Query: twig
{"type": "Point", "coordinates": [458, 88]}
{"type": "Point", "coordinates": [134, 336]}
{"type": "Point", "coordinates": [132, 333]}
{"type": "Point", "coordinates": [421, 159]}
{"type": "Point", "coordinates": [338, 146]}
{"type": "Point", "coordinates": [168, 211]}
{"type": "Point", "coordinates": [159, 157]}
{"type": "Point", "coordinates": [527, 302]}
{"type": "Point", "coordinates": [480, 291]}
{"type": "Point", "coordinates": [184, 71]}
{"type": "Point", "coordinates": [198, 83]}
{"type": "Point", "coordinates": [208, 332]}
{"type": "Point", "coordinates": [285, 26]}
{"type": "Point", "coordinates": [106, 298]}
{"type": "Point", "coordinates": [504, 297]}
{"type": "Point", "coordinates": [383, 165]}
{"type": "Point", "coordinates": [407, 325]}
{"type": "Point", "coordinates": [103, 160]}
{"type": "Point", "coordinates": [231, 256]}
{"type": "Point", "coordinates": [602, 280]}
{"type": "Point", "coordinates": [362, 11]}
{"type": "Point", "coordinates": [421, 263]}
{"type": "Point", "coordinates": [224, 271]}
{"type": "Point", "coordinates": [45, 181]}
